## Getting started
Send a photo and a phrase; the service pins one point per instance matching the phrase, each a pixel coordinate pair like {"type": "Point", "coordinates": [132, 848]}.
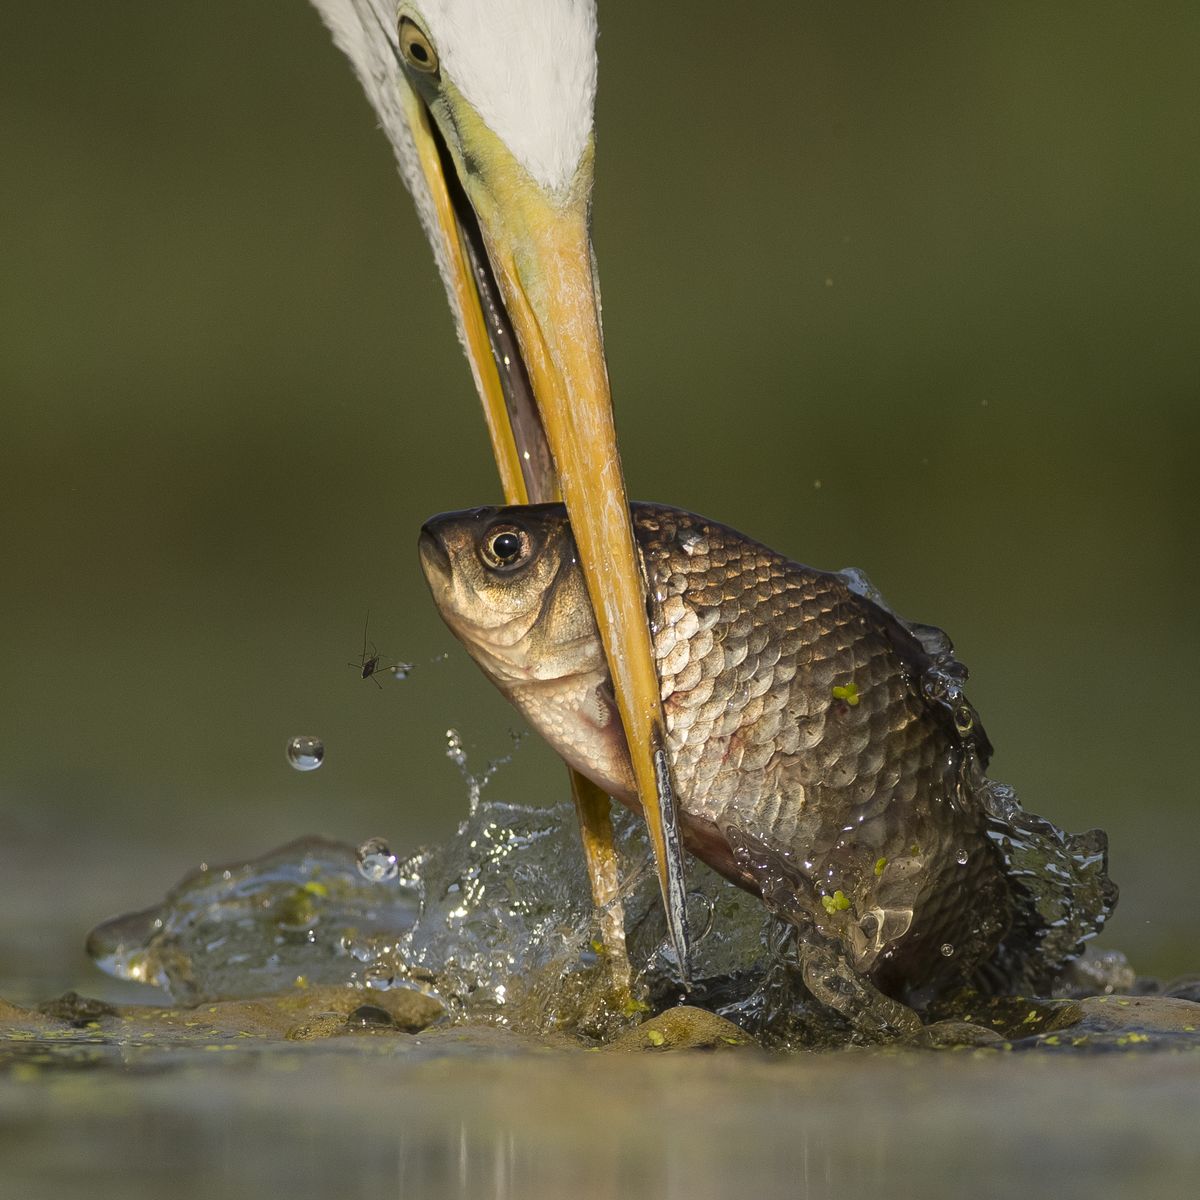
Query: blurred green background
{"type": "Point", "coordinates": [912, 287]}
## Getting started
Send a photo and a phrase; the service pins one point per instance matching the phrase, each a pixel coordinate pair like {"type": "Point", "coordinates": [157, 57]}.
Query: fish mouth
{"type": "Point", "coordinates": [435, 560]}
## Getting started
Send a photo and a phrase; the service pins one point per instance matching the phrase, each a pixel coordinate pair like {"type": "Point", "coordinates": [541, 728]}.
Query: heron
{"type": "Point", "coordinates": [489, 108]}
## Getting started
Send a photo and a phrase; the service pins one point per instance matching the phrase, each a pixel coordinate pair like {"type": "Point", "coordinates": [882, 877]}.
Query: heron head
{"type": "Point", "coordinates": [525, 71]}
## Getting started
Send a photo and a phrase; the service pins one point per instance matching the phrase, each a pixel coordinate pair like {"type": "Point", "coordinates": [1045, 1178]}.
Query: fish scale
{"type": "Point", "coordinates": [823, 753]}
{"type": "Point", "coordinates": [760, 743]}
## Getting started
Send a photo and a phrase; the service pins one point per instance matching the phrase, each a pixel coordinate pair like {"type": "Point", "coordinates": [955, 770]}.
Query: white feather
{"type": "Point", "coordinates": [528, 67]}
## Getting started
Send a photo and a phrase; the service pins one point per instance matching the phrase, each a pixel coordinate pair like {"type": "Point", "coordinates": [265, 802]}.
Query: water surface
{"type": "Point", "coordinates": [414, 1116]}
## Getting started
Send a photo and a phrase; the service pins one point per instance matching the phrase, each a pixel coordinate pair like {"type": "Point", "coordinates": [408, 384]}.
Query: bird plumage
{"type": "Point", "coordinates": [527, 67]}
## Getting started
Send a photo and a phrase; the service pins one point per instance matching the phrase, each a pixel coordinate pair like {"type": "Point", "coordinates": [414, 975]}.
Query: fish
{"type": "Point", "coordinates": [824, 753]}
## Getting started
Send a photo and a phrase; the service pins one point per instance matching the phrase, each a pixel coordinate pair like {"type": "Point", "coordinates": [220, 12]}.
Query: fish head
{"type": "Point", "coordinates": [508, 583]}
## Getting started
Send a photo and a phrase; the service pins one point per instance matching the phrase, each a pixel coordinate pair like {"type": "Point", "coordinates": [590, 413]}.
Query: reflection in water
{"type": "Point", "coordinates": [381, 1119]}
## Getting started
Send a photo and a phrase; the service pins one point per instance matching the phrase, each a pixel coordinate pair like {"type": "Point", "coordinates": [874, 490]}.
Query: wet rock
{"type": "Point", "coordinates": [331, 1011]}
{"type": "Point", "coordinates": [683, 1028]}
{"type": "Point", "coordinates": [370, 1016]}
{"type": "Point", "coordinates": [1117, 1022]}
{"type": "Point", "coordinates": [306, 1014]}
{"type": "Point", "coordinates": [953, 1035]}
{"type": "Point", "coordinates": [1011, 1018]}
{"type": "Point", "coordinates": [11, 1014]}
{"type": "Point", "coordinates": [78, 1011]}
{"type": "Point", "coordinates": [1136, 1014]}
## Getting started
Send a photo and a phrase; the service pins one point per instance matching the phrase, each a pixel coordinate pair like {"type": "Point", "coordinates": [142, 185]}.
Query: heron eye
{"type": "Point", "coordinates": [417, 49]}
{"type": "Point", "coordinates": [505, 546]}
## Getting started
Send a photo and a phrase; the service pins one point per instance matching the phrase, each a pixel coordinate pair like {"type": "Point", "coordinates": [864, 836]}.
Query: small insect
{"type": "Point", "coordinates": [371, 665]}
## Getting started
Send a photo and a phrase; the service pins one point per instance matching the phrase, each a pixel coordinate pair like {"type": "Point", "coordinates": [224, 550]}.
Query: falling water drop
{"type": "Point", "coordinates": [947, 950]}
{"type": "Point", "coordinates": [961, 857]}
{"type": "Point", "coordinates": [306, 753]}
{"type": "Point", "coordinates": [376, 862]}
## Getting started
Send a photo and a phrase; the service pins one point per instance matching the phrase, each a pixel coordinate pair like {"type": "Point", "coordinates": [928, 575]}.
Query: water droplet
{"type": "Point", "coordinates": [454, 748]}
{"type": "Point", "coordinates": [964, 719]}
{"type": "Point", "coordinates": [376, 861]}
{"type": "Point", "coordinates": [306, 753]}
{"type": "Point", "coordinates": [961, 857]}
{"type": "Point", "coordinates": [947, 950]}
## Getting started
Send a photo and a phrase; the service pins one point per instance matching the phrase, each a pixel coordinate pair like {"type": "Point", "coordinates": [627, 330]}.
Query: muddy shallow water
{"type": "Point", "coordinates": [481, 1113]}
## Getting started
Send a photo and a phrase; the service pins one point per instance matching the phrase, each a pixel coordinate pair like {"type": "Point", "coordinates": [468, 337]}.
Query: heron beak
{"type": "Point", "coordinates": [523, 279]}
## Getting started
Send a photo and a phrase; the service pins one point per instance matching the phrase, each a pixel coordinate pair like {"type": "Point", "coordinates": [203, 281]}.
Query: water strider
{"type": "Point", "coordinates": [825, 754]}
{"type": "Point", "coordinates": [371, 666]}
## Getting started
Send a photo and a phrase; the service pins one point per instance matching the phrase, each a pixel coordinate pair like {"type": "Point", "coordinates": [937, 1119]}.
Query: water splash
{"type": "Point", "coordinates": [497, 923]}
{"type": "Point", "coordinates": [457, 754]}
{"type": "Point", "coordinates": [1061, 880]}
{"type": "Point", "coordinates": [252, 928]}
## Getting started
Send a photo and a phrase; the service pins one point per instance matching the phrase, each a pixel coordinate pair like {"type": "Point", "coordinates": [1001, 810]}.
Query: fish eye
{"type": "Point", "coordinates": [505, 546]}
{"type": "Point", "coordinates": [417, 49]}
